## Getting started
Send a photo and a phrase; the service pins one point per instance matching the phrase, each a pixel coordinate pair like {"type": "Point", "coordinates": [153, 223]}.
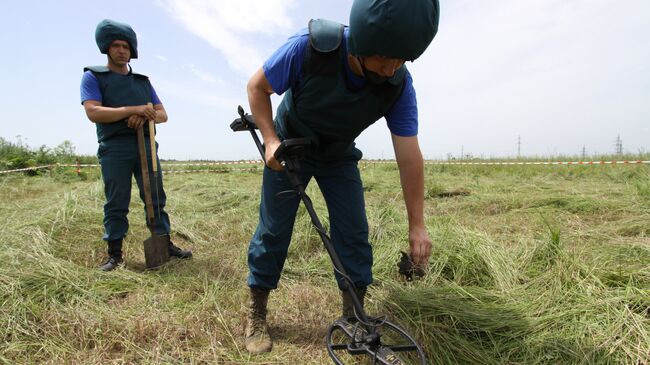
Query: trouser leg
{"type": "Point", "coordinates": [268, 248]}
{"type": "Point", "coordinates": [340, 183]}
{"type": "Point", "coordinates": [117, 162]}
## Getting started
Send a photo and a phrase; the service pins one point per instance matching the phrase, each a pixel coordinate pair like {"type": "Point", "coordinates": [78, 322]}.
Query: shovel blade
{"type": "Point", "coordinates": [155, 251]}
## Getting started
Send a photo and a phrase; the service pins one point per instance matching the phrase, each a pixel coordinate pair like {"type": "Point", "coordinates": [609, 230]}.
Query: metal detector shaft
{"type": "Point", "coordinates": [248, 122]}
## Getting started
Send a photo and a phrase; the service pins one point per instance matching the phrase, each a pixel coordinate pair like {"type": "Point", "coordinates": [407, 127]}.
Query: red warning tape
{"type": "Point", "coordinates": [366, 162]}
{"type": "Point", "coordinates": [544, 163]}
{"type": "Point", "coordinates": [26, 169]}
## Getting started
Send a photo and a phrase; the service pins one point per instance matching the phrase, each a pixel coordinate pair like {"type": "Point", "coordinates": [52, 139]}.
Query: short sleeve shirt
{"type": "Point", "coordinates": [283, 70]}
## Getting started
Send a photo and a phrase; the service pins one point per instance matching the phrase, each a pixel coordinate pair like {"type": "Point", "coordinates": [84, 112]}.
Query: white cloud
{"type": "Point", "coordinates": [162, 58]}
{"type": "Point", "coordinates": [204, 75]}
{"type": "Point", "coordinates": [228, 25]}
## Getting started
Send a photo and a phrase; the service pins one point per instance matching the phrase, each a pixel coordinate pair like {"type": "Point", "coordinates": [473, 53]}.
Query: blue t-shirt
{"type": "Point", "coordinates": [283, 70]}
{"type": "Point", "coordinates": [90, 89]}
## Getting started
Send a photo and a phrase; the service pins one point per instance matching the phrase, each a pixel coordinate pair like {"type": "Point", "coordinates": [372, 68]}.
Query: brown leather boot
{"type": "Point", "coordinates": [348, 306]}
{"type": "Point", "coordinates": [257, 334]}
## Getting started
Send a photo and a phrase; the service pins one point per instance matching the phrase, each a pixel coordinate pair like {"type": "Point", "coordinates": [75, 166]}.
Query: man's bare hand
{"type": "Point", "coordinates": [145, 111]}
{"type": "Point", "coordinates": [420, 246]}
{"type": "Point", "coordinates": [136, 121]}
{"type": "Point", "coordinates": [269, 152]}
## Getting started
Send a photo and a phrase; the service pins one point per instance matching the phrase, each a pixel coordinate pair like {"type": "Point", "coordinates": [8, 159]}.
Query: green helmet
{"type": "Point", "coordinates": [399, 29]}
{"type": "Point", "coordinates": [109, 30]}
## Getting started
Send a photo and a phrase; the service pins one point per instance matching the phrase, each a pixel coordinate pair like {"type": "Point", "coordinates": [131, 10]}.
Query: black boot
{"type": "Point", "coordinates": [114, 256]}
{"type": "Point", "coordinates": [177, 251]}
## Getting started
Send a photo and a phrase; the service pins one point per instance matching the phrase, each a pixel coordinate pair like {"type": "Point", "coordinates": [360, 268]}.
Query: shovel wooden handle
{"type": "Point", "coordinates": [145, 177]}
{"type": "Point", "coordinates": [152, 139]}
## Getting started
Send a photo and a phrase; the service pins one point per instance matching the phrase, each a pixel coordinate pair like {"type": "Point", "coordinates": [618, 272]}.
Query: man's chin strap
{"type": "Point", "coordinates": [371, 76]}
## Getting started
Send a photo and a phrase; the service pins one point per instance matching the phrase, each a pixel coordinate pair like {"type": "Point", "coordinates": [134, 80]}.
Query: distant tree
{"type": "Point", "coordinates": [10, 151]}
{"type": "Point", "coordinates": [16, 155]}
{"type": "Point", "coordinates": [65, 151]}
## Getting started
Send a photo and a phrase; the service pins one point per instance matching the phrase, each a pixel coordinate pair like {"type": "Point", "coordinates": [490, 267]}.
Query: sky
{"type": "Point", "coordinates": [559, 76]}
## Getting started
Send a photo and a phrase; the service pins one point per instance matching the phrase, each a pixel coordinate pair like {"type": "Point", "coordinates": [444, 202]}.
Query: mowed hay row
{"type": "Point", "coordinates": [530, 265]}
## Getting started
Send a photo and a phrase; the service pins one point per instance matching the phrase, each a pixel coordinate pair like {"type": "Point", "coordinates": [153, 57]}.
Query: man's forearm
{"type": "Point", "coordinates": [259, 100]}
{"type": "Point", "coordinates": [104, 114]}
{"type": "Point", "coordinates": [412, 181]}
{"type": "Point", "coordinates": [262, 110]}
{"type": "Point", "coordinates": [411, 171]}
{"type": "Point", "coordinates": [161, 114]}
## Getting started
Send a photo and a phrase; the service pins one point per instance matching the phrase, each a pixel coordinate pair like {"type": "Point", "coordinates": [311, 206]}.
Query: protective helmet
{"type": "Point", "coordinates": [109, 30]}
{"type": "Point", "coordinates": [399, 29]}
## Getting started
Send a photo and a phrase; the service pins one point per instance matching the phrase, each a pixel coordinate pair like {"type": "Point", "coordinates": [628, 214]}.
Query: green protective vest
{"type": "Point", "coordinates": [327, 109]}
{"type": "Point", "coordinates": [120, 90]}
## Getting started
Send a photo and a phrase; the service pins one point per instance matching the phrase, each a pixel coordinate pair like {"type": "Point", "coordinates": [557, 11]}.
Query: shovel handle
{"type": "Point", "coordinates": [145, 177]}
{"type": "Point", "coordinates": [152, 139]}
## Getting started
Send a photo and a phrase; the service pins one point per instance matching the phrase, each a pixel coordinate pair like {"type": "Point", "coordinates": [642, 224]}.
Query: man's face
{"type": "Point", "coordinates": [383, 66]}
{"type": "Point", "coordinates": [120, 52]}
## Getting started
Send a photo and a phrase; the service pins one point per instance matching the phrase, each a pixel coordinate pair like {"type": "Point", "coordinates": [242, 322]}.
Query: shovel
{"type": "Point", "coordinates": [155, 247]}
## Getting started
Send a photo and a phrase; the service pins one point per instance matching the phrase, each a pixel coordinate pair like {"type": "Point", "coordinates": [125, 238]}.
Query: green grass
{"type": "Point", "coordinates": [530, 265]}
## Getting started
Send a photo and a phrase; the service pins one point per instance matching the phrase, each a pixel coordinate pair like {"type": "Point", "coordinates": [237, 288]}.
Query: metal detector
{"type": "Point", "coordinates": [349, 339]}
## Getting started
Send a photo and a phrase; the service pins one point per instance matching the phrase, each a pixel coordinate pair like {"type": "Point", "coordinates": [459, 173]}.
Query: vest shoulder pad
{"type": "Point", "coordinates": [97, 69]}
{"type": "Point", "coordinates": [325, 35]}
{"type": "Point", "coordinates": [140, 76]}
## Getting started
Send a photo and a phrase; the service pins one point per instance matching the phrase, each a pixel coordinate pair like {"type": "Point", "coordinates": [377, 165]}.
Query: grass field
{"type": "Point", "coordinates": [532, 265]}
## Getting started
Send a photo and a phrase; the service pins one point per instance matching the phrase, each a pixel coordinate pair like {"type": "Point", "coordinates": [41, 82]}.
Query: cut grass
{"type": "Point", "coordinates": [538, 265]}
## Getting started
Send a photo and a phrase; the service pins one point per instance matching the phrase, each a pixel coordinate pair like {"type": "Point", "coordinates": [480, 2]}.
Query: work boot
{"type": "Point", "coordinates": [114, 256]}
{"type": "Point", "coordinates": [349, 320]}
{"type": "Point", "coordinates": [257, 334]}
{"type": "Point", "coordinates": [176, 251]}
{"type": "Point", "coordinates": [111, 263]}
{"type": "Point", "coordinates": [348, 305]}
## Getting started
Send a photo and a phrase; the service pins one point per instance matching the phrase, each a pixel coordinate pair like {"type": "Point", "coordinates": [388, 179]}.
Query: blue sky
{"type": "Point", "coordinates": [562, 74]}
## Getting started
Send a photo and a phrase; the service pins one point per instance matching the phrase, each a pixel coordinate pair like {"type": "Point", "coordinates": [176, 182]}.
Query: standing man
{"type": "Point", "coordinates": [115, 99]}
{"type": "Point", "coordinates": [337, 81]}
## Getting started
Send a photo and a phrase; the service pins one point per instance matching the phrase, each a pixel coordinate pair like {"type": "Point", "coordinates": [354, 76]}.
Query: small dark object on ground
{"type": "Point", "coordinates": [408, 269]}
